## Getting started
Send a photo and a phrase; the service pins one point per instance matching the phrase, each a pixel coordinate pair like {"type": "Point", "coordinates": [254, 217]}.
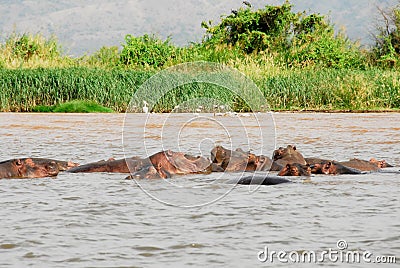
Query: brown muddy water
{"type": "Point", "coordinates": [102, 220]}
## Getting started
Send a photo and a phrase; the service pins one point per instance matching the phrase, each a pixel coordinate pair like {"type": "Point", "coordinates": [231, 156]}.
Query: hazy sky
{"type": "Point", "coordinates": [85, 26]}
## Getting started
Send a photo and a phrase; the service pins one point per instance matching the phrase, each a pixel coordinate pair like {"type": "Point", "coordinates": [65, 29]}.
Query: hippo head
{"type": "Point", "coordinates": [39, 170]}
{"type": "Point", "coordinates": [277, 154]}
{"type": "Point", "coordinates": [325, 167]}
{"type": "Point", "coordinates": [380, 163]}
{"type": "Point", "coordinates": [149, 172]}
{"type": "Point", "coordinates": [295, 170]}
{"type": "Point", "coordinates": [263, 163]}
{"type": "Point", "coordinates": [218, 154]}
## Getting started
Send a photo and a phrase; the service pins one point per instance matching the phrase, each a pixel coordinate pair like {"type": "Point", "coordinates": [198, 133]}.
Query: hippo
{"type": "Point", "coordinates": [124, 165]}
{"type": "Point", "coordinates": [289, 155]}
{"type": "Point", "coordinates": [262, 180]}
{"type": "Point", "coordinates": [237, 160]}
{"type": "Point", "coordinates": [28, 168]}
{"type": "Point", "coordinates": [332, 167]}
{"type": "Point", "coordinates": [169, 163]}
{"type": "Point", "coordinates": [362, 165]}
{"type": "Point", "coordinates": [295, 169]}
{"type": "Point", "coordinates": [62, 165]}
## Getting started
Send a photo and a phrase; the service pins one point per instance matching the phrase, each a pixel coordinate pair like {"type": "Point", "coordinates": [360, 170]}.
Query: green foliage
{"type": "Point", "coordinates": [387, 39]}
{"type": "Point", "coordinates": [106, 57]}
{"type": "Point", "coordinates": [301, 89]}
{"type": "Point", "coordinates": [26, 48]}
{"type": "Point", "coordinates": [299, 39]}
{"type": "Point", "coordinates": [322, 48]}
{"type": "Point", "coordinates": [76, 106]}
{"type": "Point", "coordinates": [145, 51]}
{"type": "Point", "coordinates": [252, 30]}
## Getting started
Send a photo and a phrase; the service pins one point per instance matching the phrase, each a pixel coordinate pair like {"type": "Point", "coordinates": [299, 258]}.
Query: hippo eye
{"type": "Point", "coordinates": [18, 162]}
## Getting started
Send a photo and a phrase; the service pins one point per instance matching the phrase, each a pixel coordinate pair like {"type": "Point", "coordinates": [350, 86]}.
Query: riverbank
{"type": "Point", "coordinates": [321, 90]}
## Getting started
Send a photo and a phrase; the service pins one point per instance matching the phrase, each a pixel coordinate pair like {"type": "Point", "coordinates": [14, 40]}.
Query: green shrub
{"type": "Point", "coordinates": [106, 57]}
{"type": "Point", "coordinates": [252, 30]}
{"type": "Point", "coordinates": [299, 39]}
{"type": "Point", "coordinates": [76, 106]}
{"type": "Point", "coordinates": [145, 51]}
{"type": "Point", "coordinates": [386, 51]}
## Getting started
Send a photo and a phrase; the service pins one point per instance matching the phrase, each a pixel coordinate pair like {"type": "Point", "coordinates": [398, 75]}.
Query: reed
{"type": "Point", "coordinates": [283, 89]}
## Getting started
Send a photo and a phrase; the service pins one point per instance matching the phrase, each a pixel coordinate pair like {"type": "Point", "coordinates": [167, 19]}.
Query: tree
{"type": "Point", "coordinates": [387, 39]}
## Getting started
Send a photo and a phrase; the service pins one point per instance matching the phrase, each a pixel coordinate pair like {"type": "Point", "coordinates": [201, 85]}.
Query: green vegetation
{"type": "Point", "coordinates": [296, 59]}
{"type": "Point", "coordinates": [386, 51]}
{"type": "Point", "coordinates": [75, 106]}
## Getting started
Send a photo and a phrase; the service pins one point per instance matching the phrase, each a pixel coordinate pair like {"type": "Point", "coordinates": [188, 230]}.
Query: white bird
{"type": "Point", "coordinates": [145, 108]}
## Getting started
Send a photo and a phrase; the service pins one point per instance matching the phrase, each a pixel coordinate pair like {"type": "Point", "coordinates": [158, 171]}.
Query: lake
{"type": "Point", "coordinates": [103, 220]}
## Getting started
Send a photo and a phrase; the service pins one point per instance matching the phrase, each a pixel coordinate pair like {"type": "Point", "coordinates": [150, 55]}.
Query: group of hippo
{"type": "Point", "coordinates": [285, 161]}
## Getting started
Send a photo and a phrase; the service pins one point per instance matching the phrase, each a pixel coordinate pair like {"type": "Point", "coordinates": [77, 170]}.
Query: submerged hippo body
{"type": "Point", "coordinates": [295, 169]}
{"type": "Point", "coordinates": [364, 165]}
{"type": "Point", "coordinates": [359, 164]}
{"type": "Point", "coordinates": [28, 168]}
{"type": "Point", "coordinates": [315, 160]}
{"type": "Point", "coordinates": [262, 180]}
{"type": "Point", "coordinates": [333, 168]}
{"type": "Point", "coordinates": [125, 165]}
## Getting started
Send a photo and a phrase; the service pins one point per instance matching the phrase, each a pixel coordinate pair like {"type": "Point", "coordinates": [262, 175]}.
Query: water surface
{"type": "Point", "coordinates": [102, 220]}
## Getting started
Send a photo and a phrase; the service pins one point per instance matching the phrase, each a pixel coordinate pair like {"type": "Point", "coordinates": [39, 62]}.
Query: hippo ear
{"type": "Point", "coordinates": [287, 165]}
{"type": "Point", "coordinates": [294, 147]}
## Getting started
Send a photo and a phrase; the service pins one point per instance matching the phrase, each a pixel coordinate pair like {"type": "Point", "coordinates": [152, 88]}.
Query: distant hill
{"type": "Point", "coordinates": [85, 26]}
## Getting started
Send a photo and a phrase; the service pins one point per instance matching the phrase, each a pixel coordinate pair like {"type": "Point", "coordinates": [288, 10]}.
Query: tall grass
{"type": "Point", "coordinates": [303, 89]}
{"type": "Point", "coordinates": [23, 89]}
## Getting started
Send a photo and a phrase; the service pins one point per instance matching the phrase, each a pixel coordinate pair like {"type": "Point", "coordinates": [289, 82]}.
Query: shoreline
{"type": "Point", "coordinates": [273, 111]}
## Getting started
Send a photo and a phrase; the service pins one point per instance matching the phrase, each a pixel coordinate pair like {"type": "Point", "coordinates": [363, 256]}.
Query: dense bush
{"type": "Point", "coordinates": [387, 38]}
{"type": "Point", "coordinates": [146, 51]}
{"type": "Point", "coordinates": [26, 50]}
{"type": "Point", "coordinates": [299, 39]}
